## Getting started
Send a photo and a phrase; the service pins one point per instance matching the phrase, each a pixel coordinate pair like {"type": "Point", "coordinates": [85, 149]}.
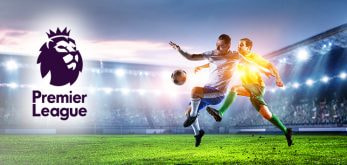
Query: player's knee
{"type": "Point", "coordinates": [197, 92]}
{"type": "Point", "coordinates": [267, 116]}
{"type": "Point", "coordinates": [233, 89]}
{"type": "Point", "coordinates": [265, 112]}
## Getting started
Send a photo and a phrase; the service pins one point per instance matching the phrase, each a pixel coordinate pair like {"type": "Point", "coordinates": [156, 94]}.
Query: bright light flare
{"type": "Point", "coordinates": [325, 79]}
{"type": "Point", "coordinates": [302, 55]}
{"type": "Point", "coordinates": [309, 82]}
{"type": "Point", "coordinates": [11, 65]}
{"type": "Point", "coordinates": [296, 85]}
{"type": "Point", "coordinates": [120, 72]}
{"type": "Point", "coordinates": [343, 75]}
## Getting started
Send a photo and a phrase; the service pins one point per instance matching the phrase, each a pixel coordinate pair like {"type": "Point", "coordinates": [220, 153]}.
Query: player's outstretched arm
{"type": "Point", "coordinates": [274, 70]}
{"type": "Point", "coordinates": [192, 57]}
{"type": "Point", "coordinates": [259, 60]}
{"type": "Point", "coordinates": [267, 73]}
{"type": "Point", "coordinates": [198, 68]}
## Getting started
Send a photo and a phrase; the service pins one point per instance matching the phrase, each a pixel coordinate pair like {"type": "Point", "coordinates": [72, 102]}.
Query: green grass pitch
{"type": "Point", "coordinates": [172, 149]}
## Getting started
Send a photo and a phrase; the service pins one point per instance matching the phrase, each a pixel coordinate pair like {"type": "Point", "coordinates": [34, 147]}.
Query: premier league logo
{"type": "Point", "coordinates": [61, 58]}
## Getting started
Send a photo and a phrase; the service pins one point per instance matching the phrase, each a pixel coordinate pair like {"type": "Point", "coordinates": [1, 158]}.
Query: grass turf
{"type": "Point", "coordinates": [172, 149]}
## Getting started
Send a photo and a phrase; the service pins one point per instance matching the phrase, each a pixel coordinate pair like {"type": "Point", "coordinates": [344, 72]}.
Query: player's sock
{"type": "Point", "coordinates": [196, 127]}
{"type": "Point", "coordinates": [194, 103]}
{"type": "Point", "coordinates": [228, 101]}
{"type": "Point", "coordinates": [277, 122]}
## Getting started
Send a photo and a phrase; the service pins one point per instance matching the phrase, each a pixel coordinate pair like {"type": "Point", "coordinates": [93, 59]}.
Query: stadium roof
{"type": "Point", "coordinates": [338, 34]}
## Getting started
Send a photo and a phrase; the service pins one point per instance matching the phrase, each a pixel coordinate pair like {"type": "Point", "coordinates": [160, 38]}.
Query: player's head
{"type": "Point", "coordinates": [245, 46]}
{"type": "Point", "coordinates": [223, 44]}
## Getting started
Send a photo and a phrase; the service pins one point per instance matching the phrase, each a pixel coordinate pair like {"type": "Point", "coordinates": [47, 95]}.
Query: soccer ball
{"type": "Point", "coordinates": [179, 77]}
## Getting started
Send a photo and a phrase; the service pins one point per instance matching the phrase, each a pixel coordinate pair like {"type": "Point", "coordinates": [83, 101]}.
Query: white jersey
{"type": "Point", "coordinates": [221, 68]}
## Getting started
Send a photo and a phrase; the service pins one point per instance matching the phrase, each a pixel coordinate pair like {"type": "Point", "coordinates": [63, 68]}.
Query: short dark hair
{"type": "Point", "coordinates": [249, 42]}
{"type": "Point", "coordinates": [226, 38]}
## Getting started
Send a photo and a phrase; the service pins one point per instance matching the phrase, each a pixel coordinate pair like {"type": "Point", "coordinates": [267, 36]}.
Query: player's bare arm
{"type": "Point", "coordinates": [275, 72]}
{"type": "Point", "coordinates": [269, 66]}
{"type": "Point", "coordinates": [198, 68]}
{"type": "Point", "coordinates": [192, 57]}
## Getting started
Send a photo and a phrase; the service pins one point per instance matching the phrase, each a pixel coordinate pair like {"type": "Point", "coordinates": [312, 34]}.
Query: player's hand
{"type": "Point", "coordinates": [197, 69]}
{"type": "Point", "coordinates": [279, 83]}
{"type": "Point", "coordinates": [268, 74]}
{"type": "Point", "coordinates": [174, 45]}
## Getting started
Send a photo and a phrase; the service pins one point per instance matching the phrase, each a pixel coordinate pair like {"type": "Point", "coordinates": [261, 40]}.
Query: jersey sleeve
{"type": "Point", "coordinates": [260, 60]}
{"type": "Point", "coordinates": [207, 54]}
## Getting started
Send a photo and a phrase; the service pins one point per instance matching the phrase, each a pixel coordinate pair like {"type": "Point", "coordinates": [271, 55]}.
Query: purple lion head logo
{"type": "Point", "coordinates": [61, 58]}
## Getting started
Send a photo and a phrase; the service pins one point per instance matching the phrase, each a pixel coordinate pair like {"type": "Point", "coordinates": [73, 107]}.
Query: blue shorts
{"type": "Point", "coordinates": [210, 99]}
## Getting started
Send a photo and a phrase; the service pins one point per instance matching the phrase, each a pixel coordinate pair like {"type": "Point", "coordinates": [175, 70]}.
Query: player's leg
{"type": "Point", "coordinates": [230, 98]}
{"type": "Point", "coordinates": [257, 100]}
{"type": "Point", "coordinates": [195, 125]}
{"type": "Point", "coordinates": [198, 133]}
{"type": "Point", "coordinates": [196, 95]}
{"type": "Point", "coordinates": [209, 96]}
{"type": "Point", "coordinates": [265, 112]}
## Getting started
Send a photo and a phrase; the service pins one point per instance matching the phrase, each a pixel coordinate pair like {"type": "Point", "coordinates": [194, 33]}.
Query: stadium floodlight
{"type": "Point", "coordinates": [107, 90]}
{"type": "Point", "coordinates": [283, 60]}
{"type": "Point", "coordinates": [120, 72]}
{"type": "Point", "coordinates": [141, 91]}
{"type": "Point", "coordinates": [343, 75]}
{"type": "Point", "coordinates": [309, 82]}
{"type": "Point", "coordinates": [146, 73]}
{"type": "Point", "coordinates": [325, 79]}
{"type": "Point", "coordinates": [273, 90]}
{"type": "Point", "coordinates": [11, 65]}
{"type": "Point", "coordinates": [13, 85]}
{"type": "Point", "coordinates": [125, 91]}
{"type": "Point", "coordinates": [97, 71]}
{"type": "Point", "coordinates": [296, 85]}
{"type": "Point", "coordinates": [302, 55]}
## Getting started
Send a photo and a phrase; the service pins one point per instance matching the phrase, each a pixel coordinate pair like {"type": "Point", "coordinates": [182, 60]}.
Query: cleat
{"type": "Point", "coordinates": [289, 136]}
{"type": "Point", "coordinates": [189, 121]}
{"type": "Point", "coordinates": [214, 113]}
{"type": "Point", "coordinates": [199, 137]}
